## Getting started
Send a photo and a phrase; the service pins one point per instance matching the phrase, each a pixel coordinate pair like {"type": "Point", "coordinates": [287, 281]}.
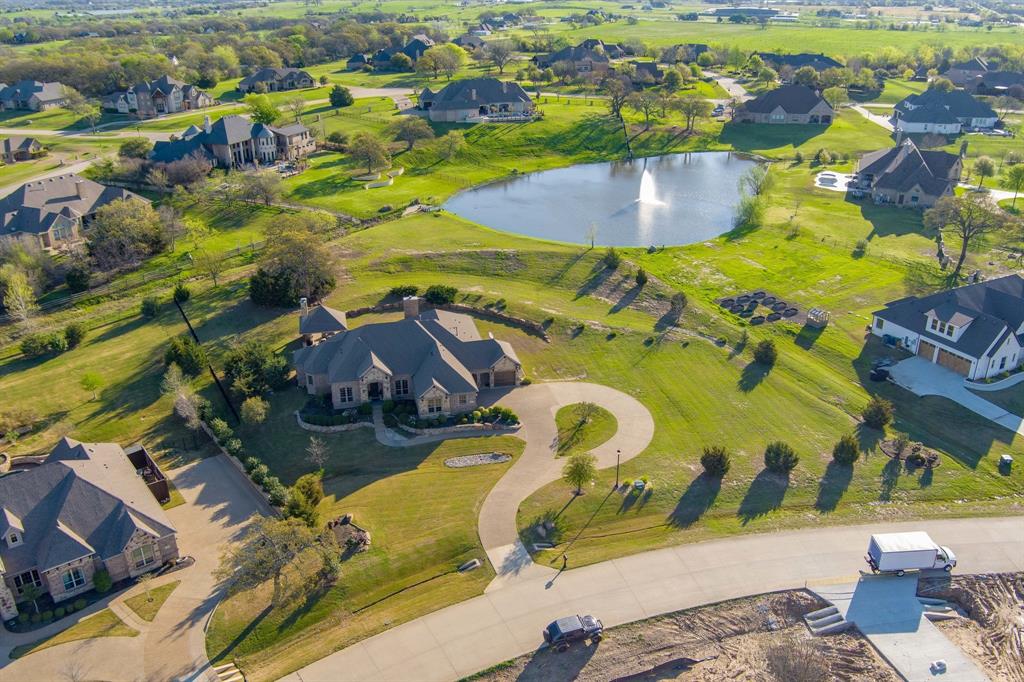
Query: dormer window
{"type": "Point", "coordinates": [949, 330]}
{"type": "Point", "coordinates": [935, 324]}
{"type": "Point", "coordinates": [13, 539]}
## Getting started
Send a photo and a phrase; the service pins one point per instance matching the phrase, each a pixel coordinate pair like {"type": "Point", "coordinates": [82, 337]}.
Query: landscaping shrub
{"type": "Point", "coordinates": [233, 446]}
{"type": "Point", "coordinates": [365, 409]}
{"type": "Point", "coordinates": [80, 604]}
{"type": "Point", "coordinates": [847, 450]}
{"type": "Point", "coordinates": [254, 410]}
{"type": "Point", "coordinates": [23, 617]}
{"type": "Point", "coordinates": [188, 355]}
{"type": "Point", "coordinates": [149, 307]}
{"type": "Point", "coordinates": [276, 491]}
{"type": "Point", "coordinates": [59, 612]}
{"type": "Point", "coordinates": [780, 457]}
{"type": "Point", "coordinates": [181, 293]}
{"type": "Point", "coordinates": [611, 258]}
{"type": "Point", "coordinates": [900, 441]}
{"type": "Point", "coordinates": [36, 345]}
{"type": "Point", "coordinates": [641, 277]}
{"type": "Point", "coordinates": [101, 581]}
{"type": "Point", "coordinates": [74, 333]}
{"type": "Point", "coordinates": [403, 290]}
{"type": "Point", "coordinates": [36, 617]}
{"type": "Point", "coordinates": [311, 486]}
{"type": "Point", "coordinates": [69, 608]}
{"type": "Point", "coordinates": [388, 406]}
{"type": "Point", "coordinates": [878, 413]}
{"type": "Point", "coordinates": [715, 461]}
{"type": "Point", "coordinates": [300, 507]}
{"type": "Point", "coordinates": [765, 353]}
{"type": "Point", "coordinates": [221, 431]}
{"type": "Point", "coordinates": [259, 473]}
{"type": "Point", "coordinates": [77, 278]}
{"type": "Point", "coordinates": [252, 368]}
{"type": "Point", "coordinates": [440, 294]}
{"type": "Point", "coordinates": [250, 463]}
{"type": "Point", "coordinates": [47, 615]}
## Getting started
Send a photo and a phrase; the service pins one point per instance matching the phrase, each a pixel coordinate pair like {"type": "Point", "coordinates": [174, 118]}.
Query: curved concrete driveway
{"type": "Point", "coordinates": [536, 406]}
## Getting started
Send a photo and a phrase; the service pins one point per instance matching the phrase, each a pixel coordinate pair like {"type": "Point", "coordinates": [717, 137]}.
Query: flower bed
{"type": "Point", "coordinates": [480, 419]}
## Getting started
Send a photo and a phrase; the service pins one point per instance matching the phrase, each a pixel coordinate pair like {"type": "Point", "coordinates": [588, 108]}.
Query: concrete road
{"type": "Point", "coordinates": [219, 503]}
{"type": "Point", "coordinates": [882, 121]}
{"type": "Point", "coordinates": [502, 624]}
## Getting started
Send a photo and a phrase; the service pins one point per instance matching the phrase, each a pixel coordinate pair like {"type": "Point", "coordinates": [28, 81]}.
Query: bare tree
{"type": "Point", "coordinates": [210, 264]}
{"type": "Point", "coordinates": [297, 105]}
{"type": "Point", "coordinates": [692, 108]}
{"type": "Point", "coordinates": [618, 91]}
{"type": "Point", "coordinates": [968, 217]}
{"type": "Point", "coordinates": [19, 298]}
{"type": "Point", "coordinates": [317, 452]}
{"type": "Point", "coordinates": [796, 662]}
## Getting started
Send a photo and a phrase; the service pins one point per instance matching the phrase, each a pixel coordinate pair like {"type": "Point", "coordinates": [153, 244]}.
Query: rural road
{"type": "Point", "coordinates": [502, 624]}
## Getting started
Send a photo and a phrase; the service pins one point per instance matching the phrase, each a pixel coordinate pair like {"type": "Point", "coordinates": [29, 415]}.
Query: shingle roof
{"type": "Point", "coordinates": [576, 53]}
{"type": "Point", "coordinates": [437, 349]}
{"type": "Point", "coordinates": [271, 73]}
{"type": "Point", "coordinates": [794, 99]}
{"type": "Point", "coordinates": [996, 306]}
{"type": "Point", "coordinates": [474, 92]}
{"type": "Point", "coordinates": [86, 498]}
{"type": "Point", "coordinates": [818, 62]}
{"type": "Point", "coordinates": [24, 90]}
{"type": "Point", "coordinates": [959, 103]}
{"type": "Point", "coordinates": [36, 206]}
{"type": "Point", "coordinates": [17, 143]}
{"type": "Point", "coordinates": [323, 320]}
{"type": "Point", "coordinates": [900, 168]}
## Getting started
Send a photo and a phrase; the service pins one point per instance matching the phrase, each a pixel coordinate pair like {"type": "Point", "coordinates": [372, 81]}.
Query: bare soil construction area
{"type": "Point", "coordinates": [993, 633]}
{"type": "Point", "coordinates": [758, 638]}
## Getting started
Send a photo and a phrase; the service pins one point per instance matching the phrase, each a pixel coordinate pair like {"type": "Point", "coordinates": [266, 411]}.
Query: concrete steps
{"type": "Point", "coordinates": [228, 672]}
{"type": "Point", "coordinates": [826, 620]}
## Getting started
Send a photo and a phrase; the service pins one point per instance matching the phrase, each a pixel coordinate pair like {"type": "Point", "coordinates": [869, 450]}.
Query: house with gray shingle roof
{"type": "Point", "coordinates": [33, 96]}
{"type": "Point", "coordinates": [165, 95]}
{"type": "Point", "coordinates": [943, 113]}
{"type": "Point", "coordinates": [583, 58]}
{"type": "Point", "coordinates": [87, 507]}
{"type": "Point", "coordinates": [19, 148]}
{"type": "Point", "coordinates": [975, 330]}
{"type": "Point", "coordinates": [435, 358]}
{"type": "Point", "coordinates": [276, 79]}
{"type": "Point", "coordinates": [236, 142]}
{"type": "Point", "coordinates": [907, 176]}
{"type": "Point", "coordinates": [788, 104]}
{"type": "Point", "coordinates": [57, 209]}
{"type": "Point", "coordinates": [474, 98]}
{"type": "Point", "coordinates": [320, 322]}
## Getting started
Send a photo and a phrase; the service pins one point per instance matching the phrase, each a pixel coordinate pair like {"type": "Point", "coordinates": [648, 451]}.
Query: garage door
{"type": "Point", "coordinates": [926, 350]}
{"type": "Point", "coordinates": [954, 362]}
{"type": "Point", "coordinates": [505, 378]}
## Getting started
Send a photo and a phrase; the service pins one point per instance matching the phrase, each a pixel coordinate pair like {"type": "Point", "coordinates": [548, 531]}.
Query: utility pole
{"type": "Point", "coordinates": [618, 456]}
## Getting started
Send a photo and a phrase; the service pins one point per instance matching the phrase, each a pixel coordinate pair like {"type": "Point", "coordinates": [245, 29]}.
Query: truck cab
{"type": "Point", "coordinates": [945, 559]}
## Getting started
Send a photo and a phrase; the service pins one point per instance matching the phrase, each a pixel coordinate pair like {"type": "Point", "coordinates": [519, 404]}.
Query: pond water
{"type": "Point", "coordinates": [665, 200]}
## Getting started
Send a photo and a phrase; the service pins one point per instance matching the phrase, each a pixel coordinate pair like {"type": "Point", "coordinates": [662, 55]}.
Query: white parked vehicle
{"type": "Point", "coordinates": [901, 552]}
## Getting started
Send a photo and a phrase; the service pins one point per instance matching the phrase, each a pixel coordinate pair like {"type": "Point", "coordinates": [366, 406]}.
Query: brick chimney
{"type": "Point", "coordinates": [206, 125]}
{"type": "Point", "coordinates": [411, 306]}
{"type": "Point", "coordinates": [303, 307]}
{"type": "Point", "coordinates": [79, 189]}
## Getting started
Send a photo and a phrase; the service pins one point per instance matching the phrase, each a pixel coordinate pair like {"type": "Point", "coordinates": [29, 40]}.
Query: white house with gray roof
{"type": "Point", "coordinates": [476, 99]}
{"type": "Point", "coordinates": [85, 508]}
{"type": "Point", "coordinates": [944, 113]}
{"type": "Point", "coordinates": [433, 357]}
{"type": "Point", "coordinates": [975, 330]}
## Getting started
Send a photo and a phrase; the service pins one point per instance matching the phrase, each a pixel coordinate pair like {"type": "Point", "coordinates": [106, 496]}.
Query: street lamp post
{"type": "Point", "coordinates": [618, 454]}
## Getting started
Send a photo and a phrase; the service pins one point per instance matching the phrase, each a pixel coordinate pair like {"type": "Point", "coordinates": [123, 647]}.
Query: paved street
{"type": "Point", "coordinates": [507, 622]}
{"type": "Point", "coordinates": [218, 505]}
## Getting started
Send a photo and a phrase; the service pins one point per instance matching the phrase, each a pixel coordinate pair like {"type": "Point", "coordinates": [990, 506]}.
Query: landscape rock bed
{"type": "Point", "coordinates": [914, 454]}
{"type": "Point", "coordinates": [759, 307]}
{"type": "Point", "coordinates": [476, 460]}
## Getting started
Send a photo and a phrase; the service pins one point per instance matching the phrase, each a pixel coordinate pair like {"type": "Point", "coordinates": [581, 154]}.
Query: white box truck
{"type": "Point", "coordinates": [901, 552]}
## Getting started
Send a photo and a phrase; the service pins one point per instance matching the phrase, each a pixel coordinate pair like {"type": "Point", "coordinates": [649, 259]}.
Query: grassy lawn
{"type": "Point", "coordinates": [147, 604]}
{"type": "Point", "coordinates": [582, 427]}
{"type": "Point", "coordinates": [103, 623]}
{"type": "Point", "coordinates": [419, 537]}
{"type": "Point", "coordinates": [897, 89]}
{"type": "Point", "coordinates": [1010, 399]}
{"type": "Point", "coordinates": [66, 150]}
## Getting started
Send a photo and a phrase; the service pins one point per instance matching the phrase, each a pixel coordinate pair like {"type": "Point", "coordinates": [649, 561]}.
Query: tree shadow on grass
{"type": "Point", "coordinates": [890, 479]}
{"type": "Point", "coordinates": [626, 299]}
{"type": "Point", "coordinates": [764, 496]}
{"type": "Point", "coordinates": [696, 501]}
{"type": "Point", "coordinates": [868, 438]}
{"type": "Point", "coordinates": [243, 634]}
{"type": "Point", "coordinates": [807, 336]}
{"type": "Point", "coordinates": [832, 486]}
{"type": "Point", "coordinates": [752, 376]}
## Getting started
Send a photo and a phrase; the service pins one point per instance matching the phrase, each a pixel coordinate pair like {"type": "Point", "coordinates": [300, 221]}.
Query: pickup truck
{"type": "Point", "coordinates": [564, 631]}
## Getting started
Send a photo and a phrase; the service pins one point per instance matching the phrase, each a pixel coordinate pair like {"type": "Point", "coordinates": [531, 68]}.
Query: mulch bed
{"type": "Point", "coordinates": [931, 458]}
{"type": "Point", "coordinates": [762, 307]}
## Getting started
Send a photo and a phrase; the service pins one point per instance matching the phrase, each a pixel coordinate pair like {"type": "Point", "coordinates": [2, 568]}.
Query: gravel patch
{"type": "Point", "coordinates": [476, 460]}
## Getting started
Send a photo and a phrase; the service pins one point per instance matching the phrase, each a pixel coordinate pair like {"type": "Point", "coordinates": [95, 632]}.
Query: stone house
{"type": "Point", "coordinates": [85, 508]}
{"type": "Point", "coordinates": [57, 209]}
{"type": "Point", "coordinates": [164, 95]}
{"type": "Point", "coordinates": [474, 98]}
{"type": "Point", "coordinates": [32, 96]}
{"type": "Point", "coordinates": [788, 104]}
{"type": "Point", "coordinates": [585, 60]}
{"type": "Point", "coordinates": [18, 148]}
{"type": "Point", "coordinates": [275, 79]}
{"type": "Point", "coordinates": [907, 176]}
{"type": "Point", "coordinates": [432, 357]}
{"type": "Point", "coordinates": [236, 142]}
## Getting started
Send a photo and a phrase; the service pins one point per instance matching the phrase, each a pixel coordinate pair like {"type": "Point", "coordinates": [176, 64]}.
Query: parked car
{"type": "Point", "coordinates": [565, 631]}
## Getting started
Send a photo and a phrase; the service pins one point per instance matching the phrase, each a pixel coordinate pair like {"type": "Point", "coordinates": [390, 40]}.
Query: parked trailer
{"type": "Point", "coordinates": [901, 552]}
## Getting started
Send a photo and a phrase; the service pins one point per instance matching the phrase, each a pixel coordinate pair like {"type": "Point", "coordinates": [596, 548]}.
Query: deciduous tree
{"type": "Point", "coordinates": [693, 108]}
{"type": "Point", "coordinates": [499, 53]}
{"type": "Point", "coordinates": [580, 470]}
{"type": "Point", "coordinates": [411, 129]}
{"type": "Point", "coordinates": [268, 549]}
{"type": "Point", "coordinates": [261, 109]}
{"type": "Point", "coordinates": [369, 150]}
{"type": "Point", "coordinates": [968, 217]}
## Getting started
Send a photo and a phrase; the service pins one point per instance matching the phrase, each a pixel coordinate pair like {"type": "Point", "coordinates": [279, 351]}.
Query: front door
{"type": "Point", "coordinates": [374, 391]}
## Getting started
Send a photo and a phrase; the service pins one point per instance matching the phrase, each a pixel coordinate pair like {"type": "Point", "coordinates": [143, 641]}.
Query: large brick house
{"type": "Point", "coordinates": [433, 357]}
{"type": "Point", "coordinates": [57, 209]}
{"type": "Point", "coordinates": [975, 330]}
{"type": "Point", "coordinates": [474, 98]}
{"type": "Point", "coordinates": [32, 96]}
{"type": "Point", "coordinates": [236, 142]}
{"type": "Point", "coordinates": [87, 507]}
{"type": "Point", "coordinates": [907, 176]}
{"type": "Point", "coordinates": [789, 104]}
{"type": "Point", "coordinates": [275, 79]}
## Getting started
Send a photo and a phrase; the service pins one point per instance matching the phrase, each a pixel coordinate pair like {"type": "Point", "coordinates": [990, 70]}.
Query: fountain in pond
{"type": "Point", "coordinates": [648, 193]}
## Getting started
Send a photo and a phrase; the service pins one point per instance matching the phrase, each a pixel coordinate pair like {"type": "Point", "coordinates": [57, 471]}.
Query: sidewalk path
{"type": "Point", "coordinates": [874, 118]}
{"type": "Point", "coordinates": [504, 623]}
